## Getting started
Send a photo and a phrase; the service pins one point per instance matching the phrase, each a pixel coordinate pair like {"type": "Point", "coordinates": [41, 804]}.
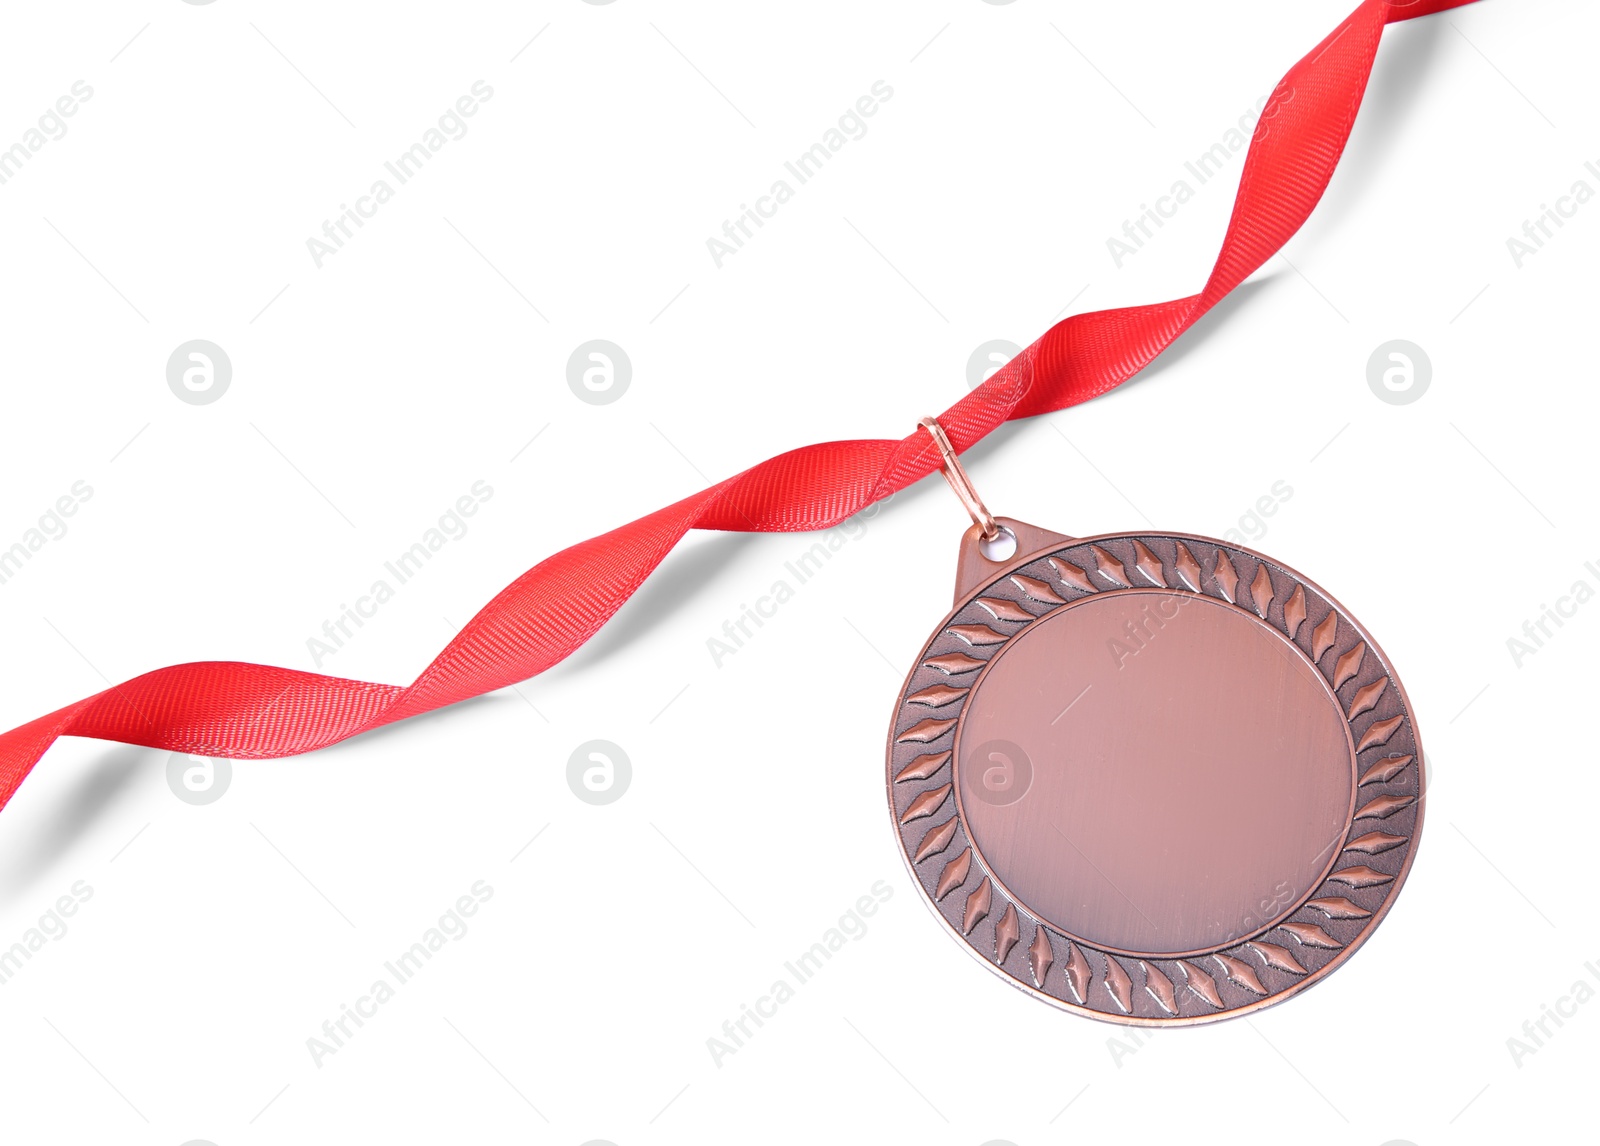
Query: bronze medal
{"type": "Point", "coordinates": [1152, 778]}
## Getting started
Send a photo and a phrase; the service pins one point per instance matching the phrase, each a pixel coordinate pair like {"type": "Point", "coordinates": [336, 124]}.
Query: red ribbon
{"type": "Point", "coordinates": [231, 709]}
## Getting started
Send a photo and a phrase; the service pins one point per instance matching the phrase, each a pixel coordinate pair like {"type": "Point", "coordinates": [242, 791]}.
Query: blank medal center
{"type": "Point", "coordinates": [1154, 772]}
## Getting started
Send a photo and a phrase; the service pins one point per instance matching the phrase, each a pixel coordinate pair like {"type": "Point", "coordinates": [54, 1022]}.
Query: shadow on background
{"type": "Point", "coordinates": [675, 582]}
{"type": "Point", "coordinates": [1404, 66]}
{"type": "Point", "coordinates": [83, 806]}
{"type": "Point", "coordinates": [1193, 338]}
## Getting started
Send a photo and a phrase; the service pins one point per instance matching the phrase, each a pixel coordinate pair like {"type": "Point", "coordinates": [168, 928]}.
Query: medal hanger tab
{"type": "Point", "coordinates": [974, 567]}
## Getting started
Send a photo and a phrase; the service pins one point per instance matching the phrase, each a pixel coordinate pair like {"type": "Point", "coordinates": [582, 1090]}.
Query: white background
{"type": "Point", "coordinates": [369, 394]}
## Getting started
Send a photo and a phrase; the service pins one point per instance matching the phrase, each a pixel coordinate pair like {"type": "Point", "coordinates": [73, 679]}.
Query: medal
{"type": "Point", "coordinates": [1150, 777]}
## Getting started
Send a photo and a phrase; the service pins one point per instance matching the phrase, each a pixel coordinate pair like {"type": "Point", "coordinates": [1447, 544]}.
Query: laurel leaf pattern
{"type": "Point", "coordinates": [1119, 986]}
{"type": "Point", "coordinates": [1366, 698]}
{"type": "Point", "coordinates": [925, 731]}
{"type": "Point", "coordinates": [1311, 935]}
{"type": "Point", "coordinates": [1187, 568]}
{"type": "Point", "coordinates": [1003, 610]}
{"type": "Point", "coordinates": [954, 874]}
{"type": "Point", "coordinates": [1348, 665]}
{"type": "Point", "coordinates": [1148, 564]}
{"type": "Point", "coordinates": [1323, 636]}
{"type": "Point", "coordinates": [1040, 956]}
{"type": "Point", "coordinates": [1202, 984]}
{"type": "Point", "coordinates": [954, 664]}
{"type": "Point", "coordinates": [1385, 770]}
{"type": "Point", "coordinates": [1294, 610]}
{"type": "Point", "coordinates": [978, 904]}
{"type": "Point", "coordinates": [1006, 933]}
{"type": "Point", "coordinates": [1159, 987]}
{"type": "Point", "coordinates": [926, 804]}
{"type": "Point", "coordinates": [1382, 808]}
{"type": "Point", "coordinates": [1374, 842]}
{"type": "Point", "coordinates": [1261, 590]}
{"type": "Point", "coordinates": [978, 635]}
{"type": "Point", "coordinates": [936, 840]}
{"type": "Point", "coordinates": [1227, 577]}
{"type": "Point", "coordinates": [923, 767]}
{"type": "Point", "coordinates": [1379, 733]}
{"type": "Point", "coordinates": [1241, 973]}
{"type": "Point", "coordinates": [936, 696]}
{"type": "Point", "coordinates": [1338, 907]}
{"type": "Point", "coordinates": [1360, 876]}
{"type": "Point", "coordinates": [1280, 957]}
{"type": "Point", "coordinates": [1036, 589]}
{"type": "Point", "coordinates": [1110, 568]}
{"type": "Point", "coordinates": [1071, 575]}
{"type": "Point", "coordinates": [1077, 971]}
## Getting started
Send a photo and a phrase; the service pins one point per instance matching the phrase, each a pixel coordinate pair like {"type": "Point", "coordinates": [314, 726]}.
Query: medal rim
{"type": "Point", "coordinates": [1311, 978]}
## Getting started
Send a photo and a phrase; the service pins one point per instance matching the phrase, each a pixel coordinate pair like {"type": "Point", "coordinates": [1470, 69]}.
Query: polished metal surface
{"type": "Point", "coordinates": [1154, 778]}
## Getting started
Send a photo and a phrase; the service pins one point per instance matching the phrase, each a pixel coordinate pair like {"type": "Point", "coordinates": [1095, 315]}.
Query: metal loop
{"type": "Point", "coordinates": [960, 483]}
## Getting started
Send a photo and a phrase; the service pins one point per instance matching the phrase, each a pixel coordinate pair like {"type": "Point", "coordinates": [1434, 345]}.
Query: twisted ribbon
{"type": "Point", "coordinates": [239, 710]}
